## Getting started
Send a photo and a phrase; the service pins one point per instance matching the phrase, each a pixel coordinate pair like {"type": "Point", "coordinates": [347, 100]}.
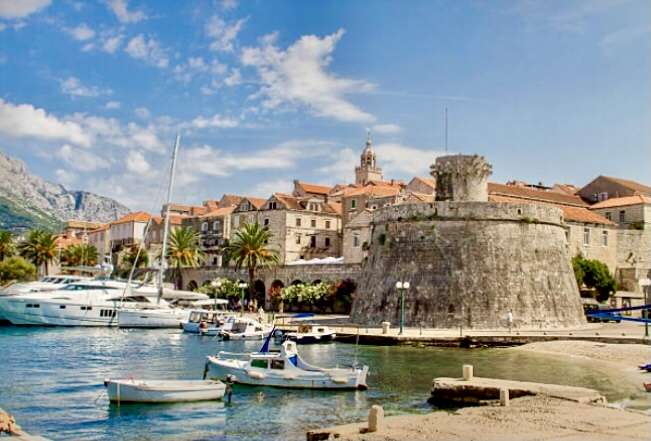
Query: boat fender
{"type": "Point", "coordinates": [339, 380]}
{"type": "Point", "coordinates": [254, 374]}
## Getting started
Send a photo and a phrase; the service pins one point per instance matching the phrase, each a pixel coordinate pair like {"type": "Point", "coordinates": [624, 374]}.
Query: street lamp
{"type": "Point", "coordinates": [217, 284]}
{"type": "Point", "coordinates": [242, 287]}
{"type": "Point", "coordinates": [402, 287]}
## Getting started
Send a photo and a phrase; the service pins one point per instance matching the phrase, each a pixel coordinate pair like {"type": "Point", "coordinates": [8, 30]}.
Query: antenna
{"type": "Point", "coordinates": [446, 130]}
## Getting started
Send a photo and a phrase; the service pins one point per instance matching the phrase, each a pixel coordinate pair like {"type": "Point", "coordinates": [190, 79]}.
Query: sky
{"type": "Point", "coordinates": [267, 91]}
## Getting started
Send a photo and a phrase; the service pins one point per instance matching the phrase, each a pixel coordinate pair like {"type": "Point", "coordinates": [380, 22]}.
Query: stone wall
{"type": "Point", "coordinates": [461, 178]}
{"type": "Point", "coordinates": [469, 263]}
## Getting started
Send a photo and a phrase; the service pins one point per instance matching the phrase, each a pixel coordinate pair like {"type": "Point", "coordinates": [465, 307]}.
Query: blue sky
{"type": "Point", "coordinates": [264, 92]}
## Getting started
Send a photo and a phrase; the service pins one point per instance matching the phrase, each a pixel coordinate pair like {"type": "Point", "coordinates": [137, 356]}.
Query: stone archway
{"type": "Point", "coordinates": [258, 294]}
{"type": "Point", "coordinates": [274, 299]}
{"type": "Point", "coordinates": [345, 291]}
{"type": "Point", "coordinates": [192, 286]}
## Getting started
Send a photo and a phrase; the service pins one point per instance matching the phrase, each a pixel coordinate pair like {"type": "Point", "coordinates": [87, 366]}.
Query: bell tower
{"type": "Point", "coordinates": [367, 169]}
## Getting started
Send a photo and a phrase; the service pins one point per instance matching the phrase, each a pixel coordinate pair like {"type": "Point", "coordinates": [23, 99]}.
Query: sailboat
{"type": "Point", "coordinates": [160, 315]}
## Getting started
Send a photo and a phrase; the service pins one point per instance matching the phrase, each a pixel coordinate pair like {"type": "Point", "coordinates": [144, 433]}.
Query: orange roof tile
{"type": "Point", "coordinates": [136, 216]}
{"type": "Point", "coordinates": [430, 182]}
{"type": "Point", "coordinates": [224, 211]}
{"type": "Point", "coordinates": [527, 193]}
{"type": "Point", "coordinates": [373, 190]}
{"type": "Point", "coordinates": [314, 188]}
{"type": "Point", "coordinates": [570, 213]}
{"type": "Point", "coordinates": [230, 199]}
{"type": "Point", "coordinates": [622, 202]}
{"type": "Point", "coordinates": [336, 207]}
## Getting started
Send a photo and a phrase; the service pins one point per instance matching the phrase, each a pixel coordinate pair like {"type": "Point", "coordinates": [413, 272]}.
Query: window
{"type": "Point", "coordinates": [62, 306]}
{"type": "Point", "coordinates": [327, 242]}
{"type": "Point", "coordinates": [204, 226]}
{"type": "Point", "coordinates": [622, 216]}
{"type": "Point", "coordinates": [586, 236]}
{"type": "Point", "coordinates": [313, 223]}
{"type": "Point", "coordinates": [236, 221]}
{"type": "Point", "coordinates": [298, 239]}
{"type": "Point", "coordinates": [603, 196]}
{"type": "Point", "coordinates": [265, 222]}
{"type": "Point", "coordinates": [273, 205]}
{"type": "Point", "coordinates": [327, 224]}
{"type": "Point", "coordinates": [312, 241]}
{"type": "Point", "coordinates": [257, 363]}
{"type": "Point", "coordinates": [604, 238]}
{"type": "Point", "coordinates": [216, 225]}
{"type": "Point", "coordinates": [355, 240]}
{"type": "Point", "coordinates": [353, 204]}
{"type": "Point", "coordinates": [298, 221]}
{"type": "Point", "coordinates": [277, 364]}
{"type": "Point", "coordinates": [609, 216]}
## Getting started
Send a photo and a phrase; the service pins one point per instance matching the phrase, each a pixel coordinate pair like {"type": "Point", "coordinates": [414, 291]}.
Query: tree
{"type": "Point", "coordinates": [7, 245]}
{"type": "Point", "coordinates": [594, 274]}
{"type": "Point", "coordinates": [79, 254]}
{"type": "Point", "coordinates": [184, 251]}
{"type": "Point", "coordinates": [248, 249]}
{"type": "Point", "coordinates": [39, 247]}
{"type": "Point", "coordinates": [129, 259]}
{"type": "Point", "coordinates": [227, 288]}
{"type": "Point", "coordinates": [16, 268]}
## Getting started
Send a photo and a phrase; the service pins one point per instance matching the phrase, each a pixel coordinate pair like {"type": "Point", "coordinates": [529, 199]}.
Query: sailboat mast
{"type": "Point", "coordinates": [163, 261]}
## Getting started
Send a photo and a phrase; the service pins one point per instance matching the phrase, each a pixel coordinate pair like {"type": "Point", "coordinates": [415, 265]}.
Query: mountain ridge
{"type": "Point", "coordinates": [29, 201]}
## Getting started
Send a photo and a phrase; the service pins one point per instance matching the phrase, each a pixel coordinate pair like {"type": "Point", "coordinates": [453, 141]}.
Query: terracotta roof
{"type": "Point", "coordinates": [175, 219]}
{"type": "Point", "coordinates": [104, 227]}
{"type": "Point", "coordinates": [430, 182]}
{"type": "Point", "coordinates": [287, 200]}
{"type": "Point", "coordinates": [64, 241]}
{"type": "Point", "coordinates": [336, 207]}
{"type": "Point", "coordinates": [230, 199]}
{"type": "Point", "coordinates": [391, 183]}
{"type": "Point", "coordinates": [565, 188]}
{"type": "Point", "coordinates": [570, 213]}
{"type": "Point", "coordinates": [314, 188]}
{"type": "Point", "coordinates": [224, 211]}
{"type": "Point", "coordinates": [635, 186]}
{"type": "Point", "coordinates": [373, 190]}
{"type": "Point", "coordinates": [526, 193]}
{"type": "Point", "coordinates": [83, 224]}
{"type": "Point", "coordinates": [256, 202]}
{"type": "Point", "coordinates": [136, 216]}
{"type": "Point", "coordinates": [622, 202]}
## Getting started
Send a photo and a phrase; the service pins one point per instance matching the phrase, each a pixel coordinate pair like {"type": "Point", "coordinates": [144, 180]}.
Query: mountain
{"type": "Point", "coordinates": [28, 201]}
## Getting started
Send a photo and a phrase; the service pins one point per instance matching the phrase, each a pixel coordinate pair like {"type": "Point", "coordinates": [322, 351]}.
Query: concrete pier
{"type": "Point", "coordinates": [478, 390]}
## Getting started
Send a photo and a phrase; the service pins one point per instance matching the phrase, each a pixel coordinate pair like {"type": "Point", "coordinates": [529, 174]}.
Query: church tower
{"type": "Point", "coordinates": [367, 169]}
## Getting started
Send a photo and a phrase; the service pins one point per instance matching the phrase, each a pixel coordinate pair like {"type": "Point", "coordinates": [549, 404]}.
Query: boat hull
{"type": "Point", "coordinates": [151, 319]}
{"type": "Point", "coordinates": [249, 336]}
{"type": "Point", "coordinates": [340, 379]}
{"type": "Point", "coordinates": [193, 328]}
{"type": "Point", "coordinates": [23, 312]}
{"type": "Point", "coordinates": [143, 391]}
{"type": "Point", "coordinates": [311, 339]}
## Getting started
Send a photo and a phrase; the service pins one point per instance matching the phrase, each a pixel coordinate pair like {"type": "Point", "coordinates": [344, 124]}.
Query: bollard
{"type": "Point", "coordinates": [467, 372]}
{"type": "Point", "coordinates": [375, 418]}
{"type": "Point", "coordinates": [504, 397]}
{"type": "Point", "coordinates": [385, 327]}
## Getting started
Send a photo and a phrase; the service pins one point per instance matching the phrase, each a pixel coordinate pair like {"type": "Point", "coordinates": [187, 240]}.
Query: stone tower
{"type": "Point", "coordinates": [368, 169]}
{"type": "Point", "coordinates": [461, 178]}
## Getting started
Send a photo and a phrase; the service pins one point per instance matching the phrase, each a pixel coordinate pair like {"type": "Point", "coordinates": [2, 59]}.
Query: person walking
{"type": "Point", "coordinates": [509, 320]}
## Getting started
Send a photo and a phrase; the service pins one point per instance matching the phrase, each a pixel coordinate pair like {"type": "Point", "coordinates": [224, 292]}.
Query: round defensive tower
{"type": "Point", "coordinates": [469, 262]}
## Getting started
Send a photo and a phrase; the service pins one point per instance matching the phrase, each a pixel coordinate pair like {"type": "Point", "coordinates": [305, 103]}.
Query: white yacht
{"type": "Point", "coordinates": [85, 303]}
{"type": "Point", "coordinates": [246, 329]}
{"type": "Point", "coordinates": [159, 314]}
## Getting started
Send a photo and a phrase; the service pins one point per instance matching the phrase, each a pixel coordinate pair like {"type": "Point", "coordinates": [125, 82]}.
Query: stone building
{"type": "Point", "coordinates": [155, 230]}
{"type": "Point", "coordinates": [628, 211]}
{"type": "Point", "coordinates": [368, 171]}
{"type": "Point", "coordinates": [214, 228]}
{"type": "Point", "coordinates": [128, 230]}
{"type": "Point", "coordinates": [469, 261]}
{"type": "Point", "coordinates": [99, 238]}
{"type": "Point", "coordinates": [306, 190]}
{"type": "Point", "coordinates": [421, 185]}
{"type": "Point", "coordinates": [356, 237]}
{"type": "Point", "coordinates": [605, 187]}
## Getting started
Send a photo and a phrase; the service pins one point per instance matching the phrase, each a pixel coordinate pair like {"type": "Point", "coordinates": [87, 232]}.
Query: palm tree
{"type": "Point", "coordinates": [7, 245]}
{"type": "Point", "coordinates": [184, 251]}
{"type": "Point", "coordinates": [40, 247]}
{"type": "Point", "coordinates": [248, 249]}
{"type": "Point", "coordinates": [81, 254]}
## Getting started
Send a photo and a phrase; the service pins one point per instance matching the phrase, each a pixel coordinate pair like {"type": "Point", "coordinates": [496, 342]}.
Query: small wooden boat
{"type": "Point", "coordinates": [308, 334]}
{"type": "Point", "coordinates": [163, 391]}
{"type": "Point", "coordinates": [283, 369]}
{"type": "Point", "coordinates": [246, 329]}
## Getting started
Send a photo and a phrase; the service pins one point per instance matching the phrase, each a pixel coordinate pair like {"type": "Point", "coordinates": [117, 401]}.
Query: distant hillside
{"type": "Point", "coordinates": [28, 201]}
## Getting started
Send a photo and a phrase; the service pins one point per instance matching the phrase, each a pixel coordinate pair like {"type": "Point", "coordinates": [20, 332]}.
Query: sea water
{"type": "Point", "coordinates": [51, 380]}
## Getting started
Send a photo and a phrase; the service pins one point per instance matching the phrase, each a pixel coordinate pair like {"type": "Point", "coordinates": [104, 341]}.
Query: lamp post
{"type": "Point", "coordinates": [242, 287]}
{"type": "Point", "coordinates": [644, 284]}
{"type": "Point", "coordinates": [217, 284]}
{"type": "Point", "coordinates": [402, 287]}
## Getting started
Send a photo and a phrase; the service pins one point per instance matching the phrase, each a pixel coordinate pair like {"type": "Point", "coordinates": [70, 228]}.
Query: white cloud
{"type": "Point", "coordinates": [65, 177]}
{"type": "Point", "coordinates": [341, 166]}
{"type": "Point", "coordinates": [82, 160]}
{"type": "Point", "coordinates": [298, 75]}
{"type": "Point", "coordinates": [266, 188]}
{"type": "Point", "coordinates": [136, 163]}
{"type": "Point", "coordinates": [405, 160]}
{"type": "Point", "coordinates": [234, 78]}
{"type": "Point", "coordinates": [111, 43]}
{"type": "Point", "coordinates": [194, 65]}
{"type": "Point", "coordinates": [386, 129]}
{"type": "Point", "coordinates": [24, 120]}
{"type": "Point", "coordinates": [112, 105]}
{"type": "Point", "coordinates": [12, 9]}
{"type": "Point", "coordinates": [142, 112]}
{"type": "Point", "coordinates": [73, 87]}
{"type": "Point", "coordinates": [121, 10]}
{"type": "Point", "coordinates": [229, 4]}
{"type": "Point", "coordinates": [81, 32]}
{"type": "Point", "coordinates": [148, 50]}
{"type": "Point", "coordinates": [614, 41]}
{"type": "Point", "coordinates": [223, 34]}
{"type": "Point", "coordinates": [216, 121]}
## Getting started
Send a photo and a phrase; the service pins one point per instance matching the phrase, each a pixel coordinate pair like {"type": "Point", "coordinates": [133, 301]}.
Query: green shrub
{"type": "Point", "coordinates": [17, 268]}
{"type": "Point", "coordinates": [594, 274]}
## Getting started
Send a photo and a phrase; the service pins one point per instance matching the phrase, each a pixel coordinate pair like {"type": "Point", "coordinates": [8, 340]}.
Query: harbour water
{"type": "Point", "coordinates": [51, 381]}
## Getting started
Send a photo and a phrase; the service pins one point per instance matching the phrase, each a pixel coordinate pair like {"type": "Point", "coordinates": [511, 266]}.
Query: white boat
{"type": "Point", "coordinates": [283, 369]}
{"type": "Point", "coordinates": [87, 303]}
{"type": "Point", "coordinates": [159, 314]}
{"type": "Point", "coordinates": [307, 334]}
{"type": "Point", "coordinates": [205, 322]}
{"type": "Point", "coordinates": [246, 329]}
{"type": "Point", "coordinates": [163, 391]}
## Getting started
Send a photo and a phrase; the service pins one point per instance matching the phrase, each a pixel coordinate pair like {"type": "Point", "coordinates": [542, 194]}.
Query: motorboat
{"type": "Point", "coordinates": [206, 322]}
{"type": "Point", "coordinates": [159, 314]}
{"type": "Point", "coordinates": [308, 334]}
{"type": "Point", "coordinates": [86, 303]}
{"type": "Point", "coordinates": [163, 391]}
{"type": "Point", "coordinates": [283, 369]}
{"type": "Point", "coordinates": [246, 329]}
